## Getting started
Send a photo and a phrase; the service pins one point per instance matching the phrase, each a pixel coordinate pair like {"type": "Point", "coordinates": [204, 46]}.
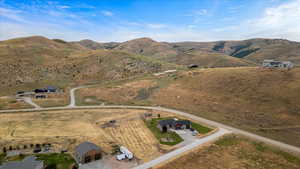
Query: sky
{"type": "Point", "coordinates": [161, 20]}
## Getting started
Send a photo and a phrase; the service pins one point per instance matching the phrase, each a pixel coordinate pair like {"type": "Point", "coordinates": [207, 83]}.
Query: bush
{"type": "Point", "coordinates": [4, 150]}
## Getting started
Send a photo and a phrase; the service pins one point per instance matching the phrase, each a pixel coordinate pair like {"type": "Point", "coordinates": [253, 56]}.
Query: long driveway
{"type": "Point", "coordinates": [29, 101]}
{"type": "Point", "coordinates": [181, 150]}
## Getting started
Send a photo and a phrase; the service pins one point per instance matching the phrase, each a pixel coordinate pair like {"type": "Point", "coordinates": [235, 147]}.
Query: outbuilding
{"type": "Point", "coordinates": [87, 152]}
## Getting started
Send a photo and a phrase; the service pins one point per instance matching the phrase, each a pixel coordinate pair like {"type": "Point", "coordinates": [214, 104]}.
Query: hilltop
{"type": "Point", "coordinates": [227, 53]}
{"type": "Point", "coordinates": [38, 61]}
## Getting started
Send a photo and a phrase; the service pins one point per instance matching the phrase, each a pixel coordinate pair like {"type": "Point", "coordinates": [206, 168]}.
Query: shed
{"type": "Point", "coordinates": [87, 152]}
{"type": "Point", "coordinates": [191, 66]}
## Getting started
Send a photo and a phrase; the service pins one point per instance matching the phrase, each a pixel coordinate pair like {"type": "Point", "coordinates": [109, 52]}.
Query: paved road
{"type": "Point", "coordinates": [223, 127]}
{"type": "Point", "coordinates": [72, 95]}
{"type": "Point", "coordinates": [186, 148]}
{"type": "Point", "coordinates": [282, 146]}
{"type": "Point", "coordinates": [29, 101]}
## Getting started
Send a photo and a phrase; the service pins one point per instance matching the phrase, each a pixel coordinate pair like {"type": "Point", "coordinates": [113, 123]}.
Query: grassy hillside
{"type": "Point", "coordinates": [263, 101]}
{"type": "Point", "coordinates": [232, 152]}
{"type": "Point", "coordinates": [170, 53]}
{"type": "Point", "coordinates": [253, 49]}
{"type": "Point", "coordinates": [37, 61]}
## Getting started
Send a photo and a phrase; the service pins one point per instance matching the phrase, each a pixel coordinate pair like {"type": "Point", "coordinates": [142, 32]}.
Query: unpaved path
{"type": "Point", "coordinates": [29, 101]}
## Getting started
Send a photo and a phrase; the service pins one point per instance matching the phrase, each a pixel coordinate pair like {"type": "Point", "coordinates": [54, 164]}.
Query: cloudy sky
{"type": "Point", "coordinates": [162, 20]}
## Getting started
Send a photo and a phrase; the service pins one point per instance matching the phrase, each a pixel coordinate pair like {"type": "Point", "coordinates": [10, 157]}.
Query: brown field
{"type": "Point", "coordinates": [259, 100]}
{"type": "Point", "coordinates": [12, 103]}
{"type": "Point", "coordinates": [234, 152]}
{"type": "Point", "coordinates": [66, 129]}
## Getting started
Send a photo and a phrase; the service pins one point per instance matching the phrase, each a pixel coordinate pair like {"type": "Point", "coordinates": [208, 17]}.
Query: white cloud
{"type": "Point", "coordinates": [63, 7]}
{"type": "Point", "coordinates": [156, 26]}
{"type": "Point", "coordinates": [11, 14]}
{"type": "Point", "coordinates": [107, 13]}
{"type": "Point", "coordinates": [282, 21]}
{"type": "Point", "coordinates": [201, 12]}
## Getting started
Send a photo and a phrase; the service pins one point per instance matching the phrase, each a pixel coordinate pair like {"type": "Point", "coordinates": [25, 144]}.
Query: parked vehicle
{"type": "Point", "coordinates": [121, 157]}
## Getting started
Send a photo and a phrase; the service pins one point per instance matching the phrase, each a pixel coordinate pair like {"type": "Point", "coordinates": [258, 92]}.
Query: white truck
{"type": "Point", "coordinates": [125, 154]}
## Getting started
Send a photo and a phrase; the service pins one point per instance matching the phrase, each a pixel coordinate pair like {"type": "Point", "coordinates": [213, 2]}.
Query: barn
{"type": "Point", "coordinates": [87, 152]}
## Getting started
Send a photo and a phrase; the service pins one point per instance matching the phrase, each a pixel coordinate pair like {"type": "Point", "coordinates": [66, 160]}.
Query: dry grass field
{"type": "Point", "coordinates": [263, 101]}
{"type": "Point", "coordinates": [66, 129]}
{"type": "Point", "coordinates": [234, 152]}
{"type": "Point", "coordinates": [54, 100]}
{"type": "Point", "coordinates": [12, 103]}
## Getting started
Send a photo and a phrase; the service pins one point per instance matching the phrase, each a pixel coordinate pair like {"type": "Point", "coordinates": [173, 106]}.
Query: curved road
{"type": "Point", "coordinates": [72, 105]}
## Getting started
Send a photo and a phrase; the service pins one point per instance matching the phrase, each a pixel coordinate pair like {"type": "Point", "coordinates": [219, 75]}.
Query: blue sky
{"type": "Point", "coordinates": [162, 20]}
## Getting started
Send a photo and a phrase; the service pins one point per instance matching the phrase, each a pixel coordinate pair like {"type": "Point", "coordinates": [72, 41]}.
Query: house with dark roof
{"type": "Point", "coordinates": [87, 152]}
{"type": "Point", "coordinates": [28, 162]}
{"type": "Point", "coordinates": [51, 89]}
{"type": "Point", "coordinates": [167, 124]}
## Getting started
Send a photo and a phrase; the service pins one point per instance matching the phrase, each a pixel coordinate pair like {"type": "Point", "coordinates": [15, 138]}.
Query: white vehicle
{"type": "Point", "coordinates": [121, 157]}
{"type": "Point", "coordinates": [195, 133]}
{"type": "Point", "coordinates": [127, 153]}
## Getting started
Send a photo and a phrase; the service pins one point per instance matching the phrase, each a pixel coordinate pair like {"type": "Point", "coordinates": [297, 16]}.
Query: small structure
{"type": "Point", "coordinates": [191, 66]}
{"type": "Point", "coordinates": [166, 125]}
{"type": "Point", "coordinates": [277, 64]}
{"type": "Point", "coordinates": [28, 162]}
{"type": "Point", "coordinates": [40, 96]}
{"type": "Point", "coordinates": [51, 89]}
{"type": "Point", "coordinates": [87, 152]}
{"type": "Point", "coordinates": [40, 90]}
{"type": "Point", "coordinates": [125, 154]}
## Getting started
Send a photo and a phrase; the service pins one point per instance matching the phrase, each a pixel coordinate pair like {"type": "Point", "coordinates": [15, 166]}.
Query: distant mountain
{"type": "Point", "coordinates": [37, 61]}
{"type": "Point", "coordinates": [96, 45]}
{"type": "Point", "coordinates": [253, 50]}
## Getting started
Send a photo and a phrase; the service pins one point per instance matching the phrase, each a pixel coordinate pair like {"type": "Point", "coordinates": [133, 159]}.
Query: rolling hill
{"type": "Point", "coordinates": [208, 54]}
{"type": "Point", "coordinates": [37, 61]}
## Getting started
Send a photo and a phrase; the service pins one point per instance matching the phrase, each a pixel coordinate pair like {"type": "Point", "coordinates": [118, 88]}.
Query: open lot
{"type": "Point", "coordinates": [66, 129]}
{"type": "Point", "coordinates": [12, 103]}
{"type": "Point", "coordinates": [262, 101]}
{"type": "Point", "coordinates": [234, 152]}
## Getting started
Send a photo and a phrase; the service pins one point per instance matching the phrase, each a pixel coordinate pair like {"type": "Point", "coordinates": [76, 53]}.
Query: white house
{"type": "Point", "coordinates": [277, 64]}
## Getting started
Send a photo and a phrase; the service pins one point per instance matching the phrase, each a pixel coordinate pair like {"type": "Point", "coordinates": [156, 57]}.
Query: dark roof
{"type": "Point", "coordinates": [85, 147]}
{"type": "Point", "coordinates": [166, 122]}
{"type": "Point", "coordinates": [51, 87]}
{"type": "Point", "coordinates": [173, 122]}
{"type": "Point", "coordinates": [28, 162]}
{"type": "Point", "coordinates": [183, 122]}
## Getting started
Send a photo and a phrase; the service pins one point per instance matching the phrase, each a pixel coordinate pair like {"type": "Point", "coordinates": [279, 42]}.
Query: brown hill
{"type": "Point", "coordinates": [260, 100]}
{"type": "Point", "coordinates": [170, 53]}
{"type": "Point", "coordinates": [253, 49]}
{"type": "Point", "coordinates": [37, 61]}
{"type": "Point", "coordinates": [96, 45]}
